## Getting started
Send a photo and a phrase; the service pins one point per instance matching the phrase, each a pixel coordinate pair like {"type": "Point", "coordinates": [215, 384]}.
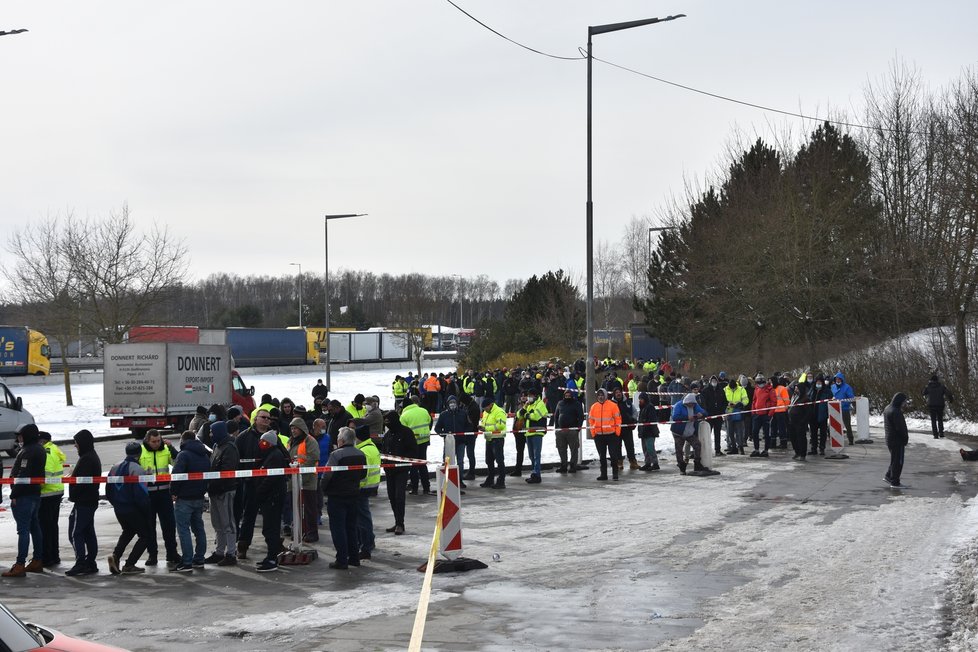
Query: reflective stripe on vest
{"type": "Point", "coordinates": [156, 462]}
{"type": "Point", "coordinates": [369, 449]}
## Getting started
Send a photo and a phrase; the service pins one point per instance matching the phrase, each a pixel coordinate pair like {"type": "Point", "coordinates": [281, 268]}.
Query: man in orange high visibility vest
{"type": "Point", "coordinates": [604, 419]}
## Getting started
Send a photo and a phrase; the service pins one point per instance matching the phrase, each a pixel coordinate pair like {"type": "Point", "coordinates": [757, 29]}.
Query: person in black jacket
{"type": "Point", "coordinates": [133, 510]}
{"type": "Point", "coordinates": [474, 413]}
{"type": "Point", "coordinates": [81, 521]}
{"type": "Point", "coordinates": [398, 440]}
{"type": "Point", "coordinates": [25, 501]}
{"type": "Point", "coordinates": [455, 420]}
{"type": "Point", "coordinates": [568, 417]}
{"type": "Point", "coordinates": [628, 420]}
{"type": "Point", "coordinates": [648, 431]}
{"type": "Point", "coordinates": [188, 507]}
{"type": "Point", "coordinates": [245, 500]}
{"type": "Point", "coordinates": [897, 437]}
{"type": "Point", "coordinates": [798, 418]}
{"type": "Point", "coordinates": [221, 493]}
{"type": "Point", "coordinates": [269, 492]}
{"type": "Point", "coordinates": [936, 394]}
{"type": "Point", "coordinates": [714, 401]}
{"type": "Point", "coordinates": [342, 490]}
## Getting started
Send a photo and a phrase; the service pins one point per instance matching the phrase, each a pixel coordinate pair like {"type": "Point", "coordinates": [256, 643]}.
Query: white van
{"type": "Point", "coordinates": [12, 416]}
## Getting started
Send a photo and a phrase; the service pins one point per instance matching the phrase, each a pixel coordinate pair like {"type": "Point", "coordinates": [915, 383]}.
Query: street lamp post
{"type": "Point", "coordinates": [326, 219]}
{"type": "Point", "coordinates": [656, 229]}
{"type": "Point", "coordinates": [592, 31]}
{"type": "Point", "coordinates": [299, 265]}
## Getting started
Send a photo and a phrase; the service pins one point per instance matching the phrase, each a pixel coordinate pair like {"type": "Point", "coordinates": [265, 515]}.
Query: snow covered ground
{"type": "Point", "coordinates": [771, 555]}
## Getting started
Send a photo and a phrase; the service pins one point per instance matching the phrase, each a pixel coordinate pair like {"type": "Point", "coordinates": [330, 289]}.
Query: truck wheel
{"type": "Point", "coordinates": [39, 373]}
{"type": "Point", "coordinates": [139, 433]}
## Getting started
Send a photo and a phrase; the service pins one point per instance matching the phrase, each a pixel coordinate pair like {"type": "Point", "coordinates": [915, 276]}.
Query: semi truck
{"type": "Point", "coordinates": [24, 352]}
{"type": "Point", "coordinates": [265, 347]}
{"type": "Point", "coordinates": [160, 384]}
{"type": "Point", "coordinates": [12, 416]}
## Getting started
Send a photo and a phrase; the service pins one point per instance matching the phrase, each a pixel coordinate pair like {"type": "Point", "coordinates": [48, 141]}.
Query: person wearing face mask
{"type": "Point", "coordinates": [714, 401]}
{"type": "Point", "coordinates": [200, 418]}
{"type": "Point", "coordinates": [737, 401]}
{"type": "Point", "coordinates": [214, 414]}
{"type": "Point", "coordinates": [818, 415]}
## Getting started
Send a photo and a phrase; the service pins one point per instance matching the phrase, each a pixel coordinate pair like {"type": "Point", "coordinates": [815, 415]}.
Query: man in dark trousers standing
{"type": "Point", "coordinates": [342, 489]}
{"type": "Point", "coordinates": [895, 427]}
{"type": "Point", "coordinates": [269, 493]}
{"type": "Point", "coordinates": [81, 521]}
{"type": "Point", "coordinates": [936, 394]}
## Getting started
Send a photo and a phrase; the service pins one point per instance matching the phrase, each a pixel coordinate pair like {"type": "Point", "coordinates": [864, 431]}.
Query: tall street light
{"type": "Point", "coordinates": [591, 31]}
{"type": "Point", "coordinates": [656, 229]}
{"type": "Point", "coordinates": [299, 265]}
{"type": "Point", "coordinates": [326, 219]}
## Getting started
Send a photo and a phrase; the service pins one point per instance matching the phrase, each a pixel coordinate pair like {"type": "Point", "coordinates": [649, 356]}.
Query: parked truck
{"type": "Point", "coordinates": [160, 385]}
{"type": "Point", "coordinates": [24, 352]}
{"type": "Point", "coordinates": [12, 416]}
{"type": "Point", "coordinates": [265, 347]}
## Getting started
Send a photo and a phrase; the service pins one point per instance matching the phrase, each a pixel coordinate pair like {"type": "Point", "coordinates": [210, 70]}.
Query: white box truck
{"type": "Point", "coordinates": [160, 385]}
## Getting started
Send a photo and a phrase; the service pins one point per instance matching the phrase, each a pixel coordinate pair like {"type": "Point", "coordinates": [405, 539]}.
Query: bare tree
{"type": "Point", "coordinates": [43, 278]}
{"type": "Point", "coordinates": [122, 274]}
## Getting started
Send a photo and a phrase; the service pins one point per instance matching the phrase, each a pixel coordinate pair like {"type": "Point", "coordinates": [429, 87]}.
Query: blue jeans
{"type": "Point", "coordinates": [28, 526]}
{"type": "Point", "coordinates": [342, 512]}
{"type": "Point", "coordinates": [365, 522]}
{"type": "Point", "coordinates": [534, 444]}
{"type": "Point", "coordinates": [189, 513]}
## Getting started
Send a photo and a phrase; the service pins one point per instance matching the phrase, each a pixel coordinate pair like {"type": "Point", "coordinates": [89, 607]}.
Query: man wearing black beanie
{"type": "Point", "coordinates": [81, 521]}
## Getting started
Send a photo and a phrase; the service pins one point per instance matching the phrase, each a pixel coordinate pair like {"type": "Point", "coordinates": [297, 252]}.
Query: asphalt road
{"type": "Point", "coordinates": [656, 561]}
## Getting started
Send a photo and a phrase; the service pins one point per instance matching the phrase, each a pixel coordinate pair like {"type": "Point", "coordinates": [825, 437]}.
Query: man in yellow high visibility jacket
{"type": "Point", "coordinates": [493, 426]}
{"type": "Point", "coordinates": [368, 487]}
{"type": "Point", "coordinates": [418, 420]}
{"type": "Point", "coordinates": [534, 413]}
{"type": "Point", "coordinates": [52, 491]}
{"type": "Point", "coordinates": [399, 388]}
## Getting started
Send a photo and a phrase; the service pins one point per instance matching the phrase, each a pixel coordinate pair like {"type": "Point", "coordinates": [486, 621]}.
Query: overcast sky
{"type": "Point", "coordinates": [239, 124]}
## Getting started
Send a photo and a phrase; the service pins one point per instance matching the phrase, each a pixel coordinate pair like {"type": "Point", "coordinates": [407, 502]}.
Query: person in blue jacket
{"type": "Point", "coordinates": [841, 391]}
{"type": "Point", "coordinates": [686, 417]}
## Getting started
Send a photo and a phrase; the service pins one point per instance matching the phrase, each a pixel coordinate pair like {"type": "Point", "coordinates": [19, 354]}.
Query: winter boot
{"type": "Point", "coordinates": [34, 566]}
{"type": "Point", "coordinates": [562, 468]}
{"type": "Point", "coordinates": [633, 464]}
{"type": "Point", "coordinates": [17, 570]}
{"type": "Point", "coordinates": [682, 469]}
{"type": "Point", "coordinates": [756, 453]}
{"type": "Point", "coordinates": [764, 453]}
{"type": "Point", "coordinates": [242, 551]}
{"type": "Point", "coordinates": [516, 472]}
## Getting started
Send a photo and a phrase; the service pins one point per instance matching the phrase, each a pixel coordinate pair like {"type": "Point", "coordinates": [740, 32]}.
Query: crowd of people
{"type": "Point", "coordinates": [760, 412]}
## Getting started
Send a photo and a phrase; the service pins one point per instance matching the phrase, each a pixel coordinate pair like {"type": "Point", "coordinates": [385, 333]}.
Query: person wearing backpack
{"type": "Point", "coordinates": [131, 503]}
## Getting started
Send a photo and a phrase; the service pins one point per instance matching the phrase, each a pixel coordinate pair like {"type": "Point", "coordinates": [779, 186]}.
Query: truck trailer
{"type": "Point", "coordinates": [160, 385]}
{"type": "Point", "coordinates": [23, 352]}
